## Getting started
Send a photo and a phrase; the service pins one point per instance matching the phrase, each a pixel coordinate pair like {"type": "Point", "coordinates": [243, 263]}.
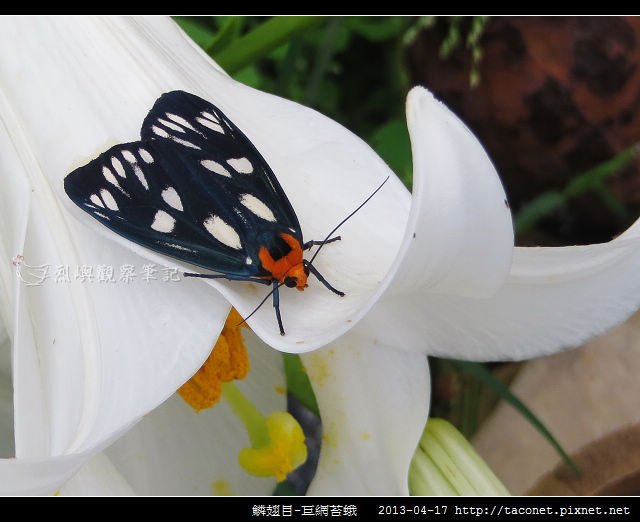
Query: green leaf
{"type": "Point", "coordinates": [378, 28]}
{"type": "Point", "coordinates": [288, 66]}
{"type": "Point", "coordinates": [485, 376]}
{"type": "Point", "coordinates": [591, 180]}
{"type": "Point", "coordinates": [250, 76]}
{"type": "Point", "coordinates": [391, 142]}
{"type": "Point", "coordinates": [470, 399]}
{"type": "Point", "coordinates": [298, 384]}
{"type": "Point", "coordinates": [324, 53]}
{"type": "Point", "coordinates": [600, 172]}
{"type": "Point", "coordinates": [453, 38]}
{"type": "Point", "coordinates": [478, 24]}
{"type": "Point", "coordinates": [544, 205]}
{"type": "Point", "coordinates": [229, 31]}
{"type": "Point", "coordinates": [262, 40]}
{"type": "Point", "coordinates": [197, 29]}
{"type": "Point", "coordinates": [611, 202]}
{"type": "Point", "coordinates": [412, 33]}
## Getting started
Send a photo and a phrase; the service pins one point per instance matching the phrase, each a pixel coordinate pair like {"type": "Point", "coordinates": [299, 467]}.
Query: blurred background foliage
{"type": "Point", "coordinates": [554, 100]}
{"type": "Point", "coordinates": [351, 69]}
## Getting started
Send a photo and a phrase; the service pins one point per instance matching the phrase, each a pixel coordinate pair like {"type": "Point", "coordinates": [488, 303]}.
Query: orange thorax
{"type": "Point", "coordinates": [287, 266]}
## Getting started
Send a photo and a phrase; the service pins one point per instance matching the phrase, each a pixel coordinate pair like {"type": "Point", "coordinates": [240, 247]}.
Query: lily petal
{"type": "Point", "coordinates": [550, 298]}
{"type": "Point", "coordinates": [38, 476]}
{"type": "Point", "coordinates": [97, 477]}
{"type": "Point", "coordinates": [560, 297]}
{"type": "Point", "coordinates": [325, 170]}
{"type": "Point", "coordinates": [459, 239]}
{"type": "Point", "coordinates": [88, 359]}
{"type": "Point", "coordinates": [176, 451]}
{"type": "Point", "coordinates": [14, 200]}
{"type": "Point", "coordinates": [554, 298]}
{"type": "Point", "coordinates": [374, 401]}
{"type": "Point", "coordinates": [111, 395]}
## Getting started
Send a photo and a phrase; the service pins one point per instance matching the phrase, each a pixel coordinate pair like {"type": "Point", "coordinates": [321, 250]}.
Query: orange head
{"type": "Point", "coordinates": [296, 276]}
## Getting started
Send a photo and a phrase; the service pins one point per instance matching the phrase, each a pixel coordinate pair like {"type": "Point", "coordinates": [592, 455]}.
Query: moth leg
{"type": "Point", "coordinates": [309, 244]}
{"type": "Point", "coordinates": [276, 305]}
{"type": "Point", "coordinates": [228, 277]}
{"type": "Point", "coordinates": [320, 278]}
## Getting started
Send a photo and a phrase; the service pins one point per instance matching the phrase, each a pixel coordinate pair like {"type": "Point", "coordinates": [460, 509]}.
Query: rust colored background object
{"type": "Point", "coordinates": [556, 97]}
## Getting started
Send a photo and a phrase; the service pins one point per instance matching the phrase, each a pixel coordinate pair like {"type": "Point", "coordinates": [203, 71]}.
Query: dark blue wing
{"type": "Point", "coordinates": [200, 195]}
{"type": "Point", "coordinates": [195, 124]}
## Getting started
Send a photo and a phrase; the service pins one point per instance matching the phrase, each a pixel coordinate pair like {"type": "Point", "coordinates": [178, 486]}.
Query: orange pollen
{"type": "Point", "coordinates": [287, 266]}
{"type": "Point", "coordinates": [227, 361]}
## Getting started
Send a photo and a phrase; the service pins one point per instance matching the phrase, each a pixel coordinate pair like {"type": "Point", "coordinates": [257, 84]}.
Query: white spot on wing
{"type": "Point", "coordinates": [118, 167]}
{"type": "Point", "coordinates": [96, 200]}
{"type": "Point", "coordinates": [185, 143]}
{"type": "Point", "coordinates": [138, 172]}
{"type": "Point", "coordinates": [214, 166]}
{"type": "Point", "coordinates": [108, 175]}
{"type": "Point", "coordinates": [222, 231]}
{"type": "Point", "coordinates": [128, 155]}
{"type": "Point", "coordinates": [160, 132]}
{"type": "Point", "coordinates": [210, 124]}
{"type": "Point", "coordinates": [248, 261]}
{"type": "Point", "coordinates": [180, 120]}
{"type": "Point", "coordinates": [163, 222]}
{"type": "Point", "coordinates": [241, 165]}
{"type": "Point", "coordinates": [145, 155]}
{"type": "Point", "coordinates": [210, 116]}
{"type": "Point", "coordinates": [164, 134]}
{"type": "Point", "coordinates": [171, 197]}
{"type": "Point", "coordinates": [171, 126]}
{"type": "Point", "coordinates": [108, 199]}
{"type": "Point", "coordinates": [257, 207]}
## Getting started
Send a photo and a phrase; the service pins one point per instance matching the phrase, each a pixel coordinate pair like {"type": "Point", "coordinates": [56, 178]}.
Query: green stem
{"type": "Point", "coordinates": [265, 38]}
{"type": "Point", "coordinates": [250, 416]}
{"type": "Point", "coordinates": [322, 62]}
{"type": "Point", "coordinates": [228, 32]}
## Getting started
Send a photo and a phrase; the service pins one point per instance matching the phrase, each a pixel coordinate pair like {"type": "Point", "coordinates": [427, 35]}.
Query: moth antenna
{"type": "Point", "coordinates": [260, 305]}
{"type": "Point", "coordinates": [346, 219]}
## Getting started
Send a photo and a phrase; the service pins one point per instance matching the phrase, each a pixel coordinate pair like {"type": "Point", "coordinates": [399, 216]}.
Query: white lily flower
{"type": "Point", "coordinates": [428, 274]}
{"type": "Point", "coordinates": [76, 389]}
{"type": "Point", "coordinates": [175, 451]}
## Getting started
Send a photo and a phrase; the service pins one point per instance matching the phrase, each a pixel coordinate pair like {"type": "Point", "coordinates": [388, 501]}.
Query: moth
{"type": "Point", "coordinates": [196, 189]}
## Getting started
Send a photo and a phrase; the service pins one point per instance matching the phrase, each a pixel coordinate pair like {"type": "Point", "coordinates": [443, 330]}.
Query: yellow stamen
{"type": "Point", "coordinates": [228, 361]}
{"type": "Point", "coordinates": [285, 451]}
{"type": "Point", "coordinates": [277, 441]}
